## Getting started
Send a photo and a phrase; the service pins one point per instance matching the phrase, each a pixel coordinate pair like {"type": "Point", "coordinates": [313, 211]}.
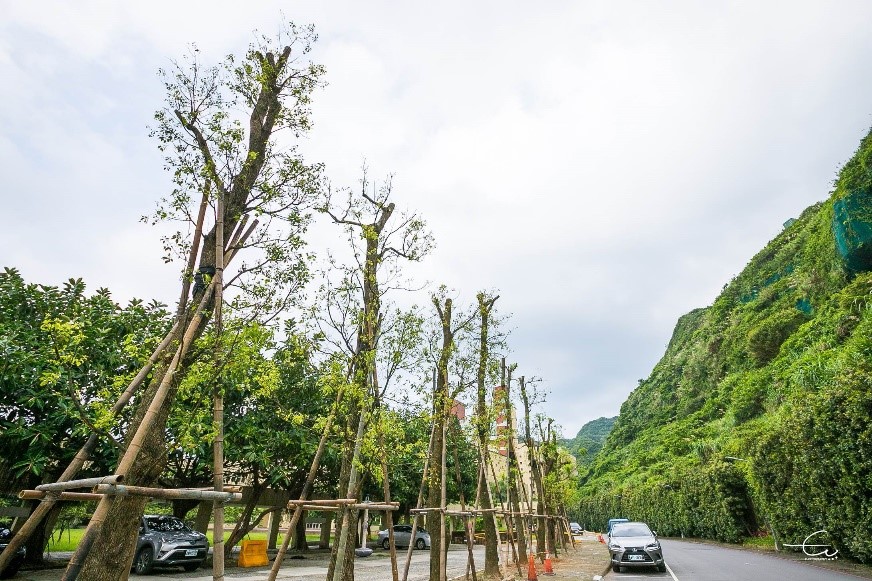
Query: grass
{"type": "Point", "coordinates": [69, 539]}
{"type": "Point", "coordinates": [766, 543]}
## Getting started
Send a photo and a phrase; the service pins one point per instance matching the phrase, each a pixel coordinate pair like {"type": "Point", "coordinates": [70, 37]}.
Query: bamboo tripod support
{"type": "Point", "coordinates": [84, 454]}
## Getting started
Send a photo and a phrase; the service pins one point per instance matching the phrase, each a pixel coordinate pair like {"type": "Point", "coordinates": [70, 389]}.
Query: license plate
{"type": "Point", "coordinates": [191, 553]}
{"type": "Point", "coordinates": [636, 557]}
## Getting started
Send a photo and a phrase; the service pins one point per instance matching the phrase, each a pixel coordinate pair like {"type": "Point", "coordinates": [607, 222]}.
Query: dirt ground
{"type": "Point", "coordinates": [589, 560]}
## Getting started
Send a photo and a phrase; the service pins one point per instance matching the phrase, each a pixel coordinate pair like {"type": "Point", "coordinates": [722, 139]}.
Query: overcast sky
{"type": "Point", "coordinates": [607, 166]}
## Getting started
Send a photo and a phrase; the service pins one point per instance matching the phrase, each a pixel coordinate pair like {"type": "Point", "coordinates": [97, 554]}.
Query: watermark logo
{"type": "Point", "coordinates": [817, 551]}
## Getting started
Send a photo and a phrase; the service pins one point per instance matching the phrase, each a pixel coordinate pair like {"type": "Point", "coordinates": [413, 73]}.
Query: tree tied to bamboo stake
{"type": "Point", "coordinates": [354, 318]}
{"type": "Point", "coordinates": [206, 144]}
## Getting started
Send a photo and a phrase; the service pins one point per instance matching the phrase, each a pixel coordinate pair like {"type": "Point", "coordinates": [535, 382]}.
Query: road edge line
{"type": "Point", "coordinates": [670, 571]}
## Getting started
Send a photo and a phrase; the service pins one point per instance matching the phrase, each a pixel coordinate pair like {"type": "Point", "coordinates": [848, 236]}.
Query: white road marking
{"type": "Point", "coordinates": [671, 573]}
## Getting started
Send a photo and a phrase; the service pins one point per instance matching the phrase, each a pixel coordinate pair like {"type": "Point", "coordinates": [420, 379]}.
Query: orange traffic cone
{"type": "Point", "coordinates": [531, 569]}
{"type": "Point", "coordinates": [600, 538]}
{"type": "Point", "coordinates": [548, 569]}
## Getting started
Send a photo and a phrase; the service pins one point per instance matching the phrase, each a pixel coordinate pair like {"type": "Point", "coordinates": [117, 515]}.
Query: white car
{"type": "Point", "coordinates": [402, 535]}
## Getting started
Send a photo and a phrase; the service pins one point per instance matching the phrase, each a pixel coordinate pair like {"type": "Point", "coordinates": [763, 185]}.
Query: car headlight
{"type": "Point", "coordinates": [166, 548]}
{"type": "Point", "coordinates": [615, 546]}
{"type": "Point", "coordinates": [655, 545]}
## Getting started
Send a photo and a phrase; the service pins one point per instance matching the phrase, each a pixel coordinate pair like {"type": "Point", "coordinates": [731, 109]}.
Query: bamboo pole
{"type": "Point", "coordinates": [386, 482]}
{"type": "Point", "coordinates": [307, 489]}
{"type": "Point", "coordinates": [99, 516]}
{"type": "Point", "coordinates": [510, 529]}
{"type": "Point", "coordinates": [193, 252]}
{"type": "Point", "coordinates": [358, 506]}
{"type": "Point", "coordinates": [82, 456]}
{"type": "Point", "coordinates": [227, 488]}
{"type": "Point", "coordinates": [510, 535]}
{"type": "Point", "coordinates": [484, 459]}
{"type": "Point", "coordinates": [231, 252]}
{"type": "Point", "coordinates": [470, 562]}
{"type": "Point", "coordinates": [345, 533]}
{"type": "Point", "coordinates": [326, 502]}
{"type": "Point", "coordinates": [420, 500]}
{"type": "Point", "coordinates": [169, 494]}
{"type": "Point", "coordinates": [514, 503]}
{"type": "Point", "coordinates": [218, 398]}
{"type": "Point", "coordinates": [84, 483]}
{"type": "Point", "coordinates": [55, 496]}
{"type": "Point", "coordinates": [87, 449]}
{"type": "Point", "coordinates": [388, 506]}
{"type": "Point", "coordinates": [443, 495]}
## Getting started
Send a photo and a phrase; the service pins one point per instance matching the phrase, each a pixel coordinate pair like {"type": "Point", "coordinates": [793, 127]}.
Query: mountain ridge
{"type": "Point", "coordinates": [756, 420]}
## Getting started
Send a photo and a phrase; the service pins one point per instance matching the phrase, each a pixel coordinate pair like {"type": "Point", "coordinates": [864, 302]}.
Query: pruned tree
{"type": "Point", "coordinates": [354, 320]}
{"type": "Point", "coordinates": [219, 131]}
{"type": "Point", "coordinates": [513, 471]}
{"type": "Point", "coordinates": [450, 323]}
{"type": "Point", "coordinates": [483, 423]}
{"type": "Point", "coordinates": [542, 539]}
{"type": "Point", "coordinates": [557, 467]}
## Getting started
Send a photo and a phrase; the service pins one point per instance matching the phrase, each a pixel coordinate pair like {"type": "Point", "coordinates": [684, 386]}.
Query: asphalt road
{"type": "Point", "coordinates": [701, 562]}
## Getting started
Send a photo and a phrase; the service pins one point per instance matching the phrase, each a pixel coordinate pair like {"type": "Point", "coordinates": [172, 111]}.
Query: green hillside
{"type": "Point", "coordinates": [589, 439]}
{"type": "Point", "coordinates": [757, 418]}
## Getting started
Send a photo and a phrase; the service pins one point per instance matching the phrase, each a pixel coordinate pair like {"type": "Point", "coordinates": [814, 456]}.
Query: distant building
{"type": "Point", "coordinates": [499, 448]}
{"type": "Point", "coordinates": [458, 410]}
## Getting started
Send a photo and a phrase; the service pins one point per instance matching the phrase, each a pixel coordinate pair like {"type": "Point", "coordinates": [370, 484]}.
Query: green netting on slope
{"type": "Point", "coordinates": [852, 228]}
{"type": "Point", "coordinates": [804, 305]}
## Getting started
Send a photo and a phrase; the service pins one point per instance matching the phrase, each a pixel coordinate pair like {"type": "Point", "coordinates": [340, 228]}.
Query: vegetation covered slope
{"type": "Point", "coordinates": [757, 418]}
{"type": "Point", "coordinates": [589, 439]}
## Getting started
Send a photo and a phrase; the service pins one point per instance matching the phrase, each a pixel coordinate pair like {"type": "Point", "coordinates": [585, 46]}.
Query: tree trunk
{"type": "Point", "coordinates": [434, 519]}
{"type": "Point", "coordinates": [244, 524]}
{"type": "Point", "coordinates": [512, 477]}
{"type": "Point", "coordinates": [38, 541]}
{"type": "Point", "coordinates": [182, 506]}
{"type": "Point", "coordinates": [300, 543]}
{"type": "Point", "coordinates": [324, 542]}
{"type": "Point", "coordinates": [112, 550]}
{"type": "Point", "coordinates": [204, 514]}
{"type": "Point", "coordinates": [483, 423]}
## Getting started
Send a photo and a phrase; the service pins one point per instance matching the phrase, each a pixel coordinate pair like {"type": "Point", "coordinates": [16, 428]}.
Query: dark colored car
{"type": "Point", "coordinates": [575, 528]}
{"type": "Point", "coordinates": [12, 568]}
{"type": "Point", "coordinates": [165, 541]}
{"type": "Point", "coordinates": [632, 544]}
{"type": "Point", "coordinates": [402, 535]}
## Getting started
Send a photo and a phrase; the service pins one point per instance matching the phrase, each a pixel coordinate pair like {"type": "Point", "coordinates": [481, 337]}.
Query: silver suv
{"type": "Point", "coordinates": [166, 541]}
{"type": "Point", "coordinates": [632, 544]}
{"type": "Point", "coordinates": [402, 536]}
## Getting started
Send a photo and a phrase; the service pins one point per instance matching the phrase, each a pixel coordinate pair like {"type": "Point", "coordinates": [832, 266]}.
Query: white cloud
{"type": "Point", "coordinates": [607, 165]}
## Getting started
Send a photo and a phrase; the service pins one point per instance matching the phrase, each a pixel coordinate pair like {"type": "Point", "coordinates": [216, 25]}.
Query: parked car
{"type": "Point", "coordinates": [575, 528]}
{"type": "Point", "coordinates": [402, 535]}
{"type": "Point", "coordinates": [632, 544]}
{"type": "Point", "coordinates": [12, 568]}
{"type": "Point", "coordinates": [613, 521]}
{"type": "Point", "coordinates": [166, 541]}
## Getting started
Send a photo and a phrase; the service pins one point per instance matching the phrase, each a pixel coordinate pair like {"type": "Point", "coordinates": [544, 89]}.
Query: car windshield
{"type": "Point", "coordinates": [637, 530]}
{"type": "Point", "coordinates": [165, 524]}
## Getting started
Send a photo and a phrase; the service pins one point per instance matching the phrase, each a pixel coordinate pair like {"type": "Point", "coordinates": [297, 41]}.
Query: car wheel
{"type": "Point", "coordinates": [386, 544]}
{"type": "Point", "coordinates": [144, 561]}
{"type": "Point", "coordinates": [616, 568]}
{"type": "Point", "coordinates": [662, 567]}
{"type": "Point", "coordinates": [191, 566]}
{"type": "Point", "coordinates": [420, 544]}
